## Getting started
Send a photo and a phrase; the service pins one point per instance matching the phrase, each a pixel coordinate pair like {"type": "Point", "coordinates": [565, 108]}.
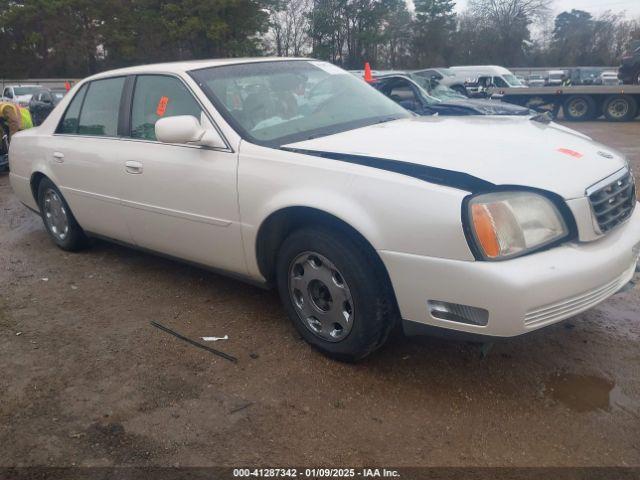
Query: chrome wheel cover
{"type": "Point", "coordinates": [321, 297]}
{"type": "Point", "coordinates": [55, 214]}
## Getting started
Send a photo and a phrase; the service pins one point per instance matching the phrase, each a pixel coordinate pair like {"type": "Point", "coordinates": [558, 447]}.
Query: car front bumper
{"type": "Point", "coordinates": [522, 294]}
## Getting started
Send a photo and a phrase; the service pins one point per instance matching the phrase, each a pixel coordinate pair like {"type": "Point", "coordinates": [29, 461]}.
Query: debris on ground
{"type": "Point", "coordinates": [215, 339]}
{"type": "Point", "coordinates": [194, 343]}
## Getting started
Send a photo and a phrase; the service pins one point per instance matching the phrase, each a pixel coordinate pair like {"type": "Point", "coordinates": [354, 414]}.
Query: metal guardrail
{"type": "Point", "coordinates": [45, 82]}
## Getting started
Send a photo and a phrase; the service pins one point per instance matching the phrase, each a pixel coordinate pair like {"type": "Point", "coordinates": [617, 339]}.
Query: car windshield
{"type": "Point", "coordinates": [274, 103]}
{"type": "Point", "coordinates": [436, 90]}
{"type": "Point", "coordinates": [512, 80]}
{"type": "Point", "coordinates": [25, 90]}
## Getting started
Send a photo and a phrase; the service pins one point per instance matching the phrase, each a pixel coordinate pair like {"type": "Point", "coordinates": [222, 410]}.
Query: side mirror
{"type": "Point", "coordinates": [187, 129]}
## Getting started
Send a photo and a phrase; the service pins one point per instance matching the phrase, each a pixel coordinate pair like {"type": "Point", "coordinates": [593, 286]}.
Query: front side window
{"type": "Point", "coordinates": [156, 97]}
{"type": "Point", "coordinates": [511, 80]}
{"type": "Point", "coordinates": [275, 103]}
{"type": "Point", "coordinates": [8, 93]}
{"type": "Point", "coordinates": [499, 82]}
{"type": "Point", "coordinates": [69, 123]}
{"type": "Point", "coordinates": [99, 115]}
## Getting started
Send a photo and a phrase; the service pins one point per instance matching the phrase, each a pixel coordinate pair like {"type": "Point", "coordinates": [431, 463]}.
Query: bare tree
{"type": "Point", "coordinates": [503, 13]}
{"type": "Point", "coordinates": [289, 33]}
{"type": "Point", "coordinates": [507, 22]}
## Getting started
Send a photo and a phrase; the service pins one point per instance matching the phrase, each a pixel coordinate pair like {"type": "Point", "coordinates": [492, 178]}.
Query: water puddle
{"type": "Point", "coordinates": [583, 393]}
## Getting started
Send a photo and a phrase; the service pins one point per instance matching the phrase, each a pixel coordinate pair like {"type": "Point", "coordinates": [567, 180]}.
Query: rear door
{"type": "Point", "coordinates": [180, 200]}
{"type": "Point", "coordinates": [85, 156]}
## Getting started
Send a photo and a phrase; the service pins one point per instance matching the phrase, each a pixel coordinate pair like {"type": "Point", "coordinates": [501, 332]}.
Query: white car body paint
{"type": "Point", "coordinates": [207, 205]}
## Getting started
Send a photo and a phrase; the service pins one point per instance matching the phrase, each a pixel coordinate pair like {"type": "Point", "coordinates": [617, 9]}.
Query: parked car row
{"type": "Point", "coordinates": [573, 76]}
{"type": "Point", "coordinates": [293, 174]}
{"type": "Point", "coordinates": [39, 100]}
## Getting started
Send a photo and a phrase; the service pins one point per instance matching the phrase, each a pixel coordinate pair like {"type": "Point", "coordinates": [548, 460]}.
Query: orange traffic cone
{"type": "Point", "coordinates": [367, 73]}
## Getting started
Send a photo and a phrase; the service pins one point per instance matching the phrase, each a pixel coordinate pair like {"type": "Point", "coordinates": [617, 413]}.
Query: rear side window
{"type": "Point", "coordinates": [156, 97]}
{"type": "Point", "coordinates": [99, 115]}
{"type": "Point", "coordinates": [69, 123]}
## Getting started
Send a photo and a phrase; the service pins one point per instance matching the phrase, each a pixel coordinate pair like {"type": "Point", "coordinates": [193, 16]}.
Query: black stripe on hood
{"type": "Point", "coordinates": [439, 176]}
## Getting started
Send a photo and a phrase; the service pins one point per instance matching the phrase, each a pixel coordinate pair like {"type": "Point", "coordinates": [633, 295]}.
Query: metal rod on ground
{"type": "Point", "coordinates": [194, 343]}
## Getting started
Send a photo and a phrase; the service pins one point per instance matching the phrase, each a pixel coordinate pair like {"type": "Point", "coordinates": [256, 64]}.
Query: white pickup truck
{"type": "Point", "coordinates": [294, 173]}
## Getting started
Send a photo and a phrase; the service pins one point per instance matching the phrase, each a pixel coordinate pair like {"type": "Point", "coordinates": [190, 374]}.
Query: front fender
{"type": "Point", "coordinates": [393, 212]}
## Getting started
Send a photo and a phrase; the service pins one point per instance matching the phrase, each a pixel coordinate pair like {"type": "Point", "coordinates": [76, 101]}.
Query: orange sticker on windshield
{"type": "Point", "coordinates": [571, 153]}
{"type": "Point", "coordinates": [162, 106]}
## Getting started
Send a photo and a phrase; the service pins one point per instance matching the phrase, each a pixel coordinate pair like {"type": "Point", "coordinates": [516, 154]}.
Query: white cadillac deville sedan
{"type": "Point", "coordinates": [296, 174]}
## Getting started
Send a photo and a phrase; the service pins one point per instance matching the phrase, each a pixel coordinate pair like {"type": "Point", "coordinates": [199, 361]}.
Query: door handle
{"type": "Point", "coordinates": [133, 167]}
{"type": "Point", "coordinates": [58, 157]}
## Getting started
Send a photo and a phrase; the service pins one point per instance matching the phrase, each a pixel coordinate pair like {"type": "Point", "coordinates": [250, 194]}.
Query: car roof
{"type": "Point", "coordinates": [22, 85]}
{"type": "Point", "coordinates": [187, 65]}
{"type": "Point", "coordinates": [482, 69]}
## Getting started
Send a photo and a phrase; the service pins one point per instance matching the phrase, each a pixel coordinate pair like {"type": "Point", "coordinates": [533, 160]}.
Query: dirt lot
{"type": "Point", "coordinates": [87, 381]}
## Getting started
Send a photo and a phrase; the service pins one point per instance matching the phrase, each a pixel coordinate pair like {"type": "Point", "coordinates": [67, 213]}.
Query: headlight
{"type": "Point", "coordinates": [510, 224]}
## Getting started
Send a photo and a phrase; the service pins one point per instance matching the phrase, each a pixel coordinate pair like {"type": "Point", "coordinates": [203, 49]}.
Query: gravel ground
{"type": "Point", "coordinates": [86, 380]}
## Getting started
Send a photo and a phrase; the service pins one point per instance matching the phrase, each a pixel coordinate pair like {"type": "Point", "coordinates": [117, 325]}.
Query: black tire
{"type": "Point", "coordinates": [579, 108]}
{"type": "Point", "coordinates": [74, 238]}
{"type": "Point", "coordinates": [620, 108]}
{"type": "Point", "coordinates": [374, 308]}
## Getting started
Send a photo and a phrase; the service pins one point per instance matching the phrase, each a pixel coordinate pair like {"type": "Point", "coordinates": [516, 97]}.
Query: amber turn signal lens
{"type": "Point", "coordinates": [485, 230]}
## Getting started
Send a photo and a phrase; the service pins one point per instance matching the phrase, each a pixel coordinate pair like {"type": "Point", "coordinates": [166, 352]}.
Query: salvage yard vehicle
{"type": "Point", "coordinates": [536, 80]}
{"type": "Point", "coordinates": [481, 77]}
{"type": "Point", "coordinates": [296, 174]}
{"type": "Point", "coordinates": [618, 103]}
{"type": "Point", "coordinates": [410, 91]}
{"type": "Point", "coordinates": [19, 94]}
{"type": "Point", "coordinates": [42, 103]}
{"type": "Point", "coordinates": [629, 71]}
{"type": "Point", "coordinates": [608, 78]}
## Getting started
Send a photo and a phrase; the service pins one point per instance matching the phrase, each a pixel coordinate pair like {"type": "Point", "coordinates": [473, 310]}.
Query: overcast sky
{"type": "Point", "coordinates": [632, 7]}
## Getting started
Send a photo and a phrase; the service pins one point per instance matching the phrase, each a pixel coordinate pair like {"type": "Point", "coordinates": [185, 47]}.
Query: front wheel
{"type": "Point", "coordinates": [335, 292]}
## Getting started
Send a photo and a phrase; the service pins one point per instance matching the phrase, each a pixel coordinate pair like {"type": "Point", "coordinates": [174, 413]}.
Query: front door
{"type": "Point", "coordinates": [180, 200]}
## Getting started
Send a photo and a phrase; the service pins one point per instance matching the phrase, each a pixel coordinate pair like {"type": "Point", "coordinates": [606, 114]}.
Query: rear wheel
{"type": "Point", "coordinates": [335, 292]}
{"type": "Point", "coordinates": [58, 219]}
{"type": "Point", "coordinates": [620, 108]}
{"type": "Point", "coordinates": [579, 108]}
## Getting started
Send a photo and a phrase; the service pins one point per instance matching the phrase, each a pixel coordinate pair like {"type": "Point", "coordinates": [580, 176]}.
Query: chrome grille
{"type": "Point", "coordinates": [613, 200]}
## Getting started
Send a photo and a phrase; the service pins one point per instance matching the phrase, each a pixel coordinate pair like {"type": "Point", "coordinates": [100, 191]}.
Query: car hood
{"type": "Point", "coordinates": [485, 107]}
{"type": "Point", "coordinates": [500, 150]}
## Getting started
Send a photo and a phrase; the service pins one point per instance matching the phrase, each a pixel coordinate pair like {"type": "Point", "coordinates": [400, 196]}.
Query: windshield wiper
{"type": "Point", "coordinates": [390, 118]}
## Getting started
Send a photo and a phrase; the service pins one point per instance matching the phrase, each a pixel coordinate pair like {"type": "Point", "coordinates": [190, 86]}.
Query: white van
{"type": "Point", "coordinates": [485, 76]}
{"type": "Point", "coordinates": [555, 77]}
